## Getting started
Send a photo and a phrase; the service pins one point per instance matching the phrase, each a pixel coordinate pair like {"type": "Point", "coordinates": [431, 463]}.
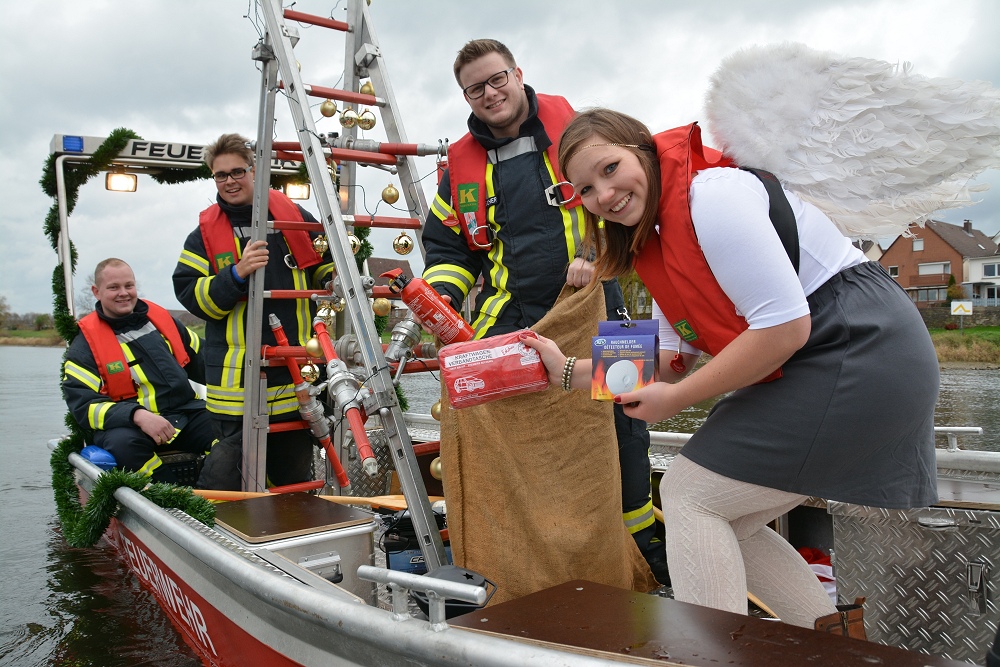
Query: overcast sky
{"type": "Point", "coordinates": [179, 70]}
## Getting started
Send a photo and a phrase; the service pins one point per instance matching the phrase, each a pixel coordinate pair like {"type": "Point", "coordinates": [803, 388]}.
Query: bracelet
{"type": "Point", "coordinates": [567, 374]}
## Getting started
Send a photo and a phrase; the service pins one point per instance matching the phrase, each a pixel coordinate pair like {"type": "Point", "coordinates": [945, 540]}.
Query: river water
{"type": "Point", "coordinates": [82, 607]}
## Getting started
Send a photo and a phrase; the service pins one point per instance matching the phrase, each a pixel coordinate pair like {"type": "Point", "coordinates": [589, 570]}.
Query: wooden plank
{"type": "Point", "coordinates": [621, 625]}
{"type": "Point", "coordinates": [277, 516]}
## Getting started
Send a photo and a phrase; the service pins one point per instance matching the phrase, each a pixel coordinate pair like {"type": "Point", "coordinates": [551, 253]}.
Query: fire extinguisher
{"type": "Point", "coordinates": [436, 315]}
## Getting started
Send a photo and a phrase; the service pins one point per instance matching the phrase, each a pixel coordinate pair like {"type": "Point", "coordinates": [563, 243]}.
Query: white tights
{"type": "Point", "coordinates": [719, 546]}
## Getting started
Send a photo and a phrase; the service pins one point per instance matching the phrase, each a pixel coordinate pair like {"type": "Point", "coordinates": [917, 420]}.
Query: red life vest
{"type": "Point", "coordinates": [220, 244]}
{"type": "Point", "coordinates": [110, 358]}
{"type": "Point", "coordinates": [467, 172]}
{"type": "Point", "coordinates": [672, 264]}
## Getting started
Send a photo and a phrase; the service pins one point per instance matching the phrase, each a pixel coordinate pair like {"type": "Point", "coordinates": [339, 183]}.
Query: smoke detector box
{"type": "Point", "coordinates": [626, 357]}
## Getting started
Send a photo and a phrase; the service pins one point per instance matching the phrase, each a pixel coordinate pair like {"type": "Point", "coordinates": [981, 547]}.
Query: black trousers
{"type": "Point", "coordinates": [134, 450]}
{"type": "Point", "coordinates": [633, 458]}
{"type": "Point", "coordinates": [289, 458]}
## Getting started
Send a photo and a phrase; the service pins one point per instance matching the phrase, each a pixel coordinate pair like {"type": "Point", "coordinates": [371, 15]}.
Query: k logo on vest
{"type": "Point", "coordinates": [115, 367]}
{"type": "Point", "coordinates": [685, 331]}
{"type": "Point", "coordinates": [222, 260]}
{"type": "Point", "coordinates": [468, 197]}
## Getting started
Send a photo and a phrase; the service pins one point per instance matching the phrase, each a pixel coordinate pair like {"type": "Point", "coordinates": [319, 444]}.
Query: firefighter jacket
{"type": "Point", "coordinates": [534, 241]}
{"type": "Point", "coordinates": [219, 298]}
{"type": "Point", "coordinates": [161, 384]}
{"type": "Point", "coordinates": [671, 263]}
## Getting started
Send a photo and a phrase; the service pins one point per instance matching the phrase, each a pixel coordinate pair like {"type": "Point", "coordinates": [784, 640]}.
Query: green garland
{"type": "Point", "coordinates": [84, 525]}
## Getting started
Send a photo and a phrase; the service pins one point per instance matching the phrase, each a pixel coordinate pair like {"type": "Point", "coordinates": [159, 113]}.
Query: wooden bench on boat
{"type": "Point", "coordinates": [624, 626]}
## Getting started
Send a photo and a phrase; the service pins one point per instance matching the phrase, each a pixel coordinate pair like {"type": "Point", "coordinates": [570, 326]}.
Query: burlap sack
{"type": "Point", "coordinates": [532, 482]}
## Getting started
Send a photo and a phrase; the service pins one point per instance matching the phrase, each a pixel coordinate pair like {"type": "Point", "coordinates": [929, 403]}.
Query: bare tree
{"type": "Point", "coordinates": [4, 312]}
{"type": "Point", "coordinates": [84, 298]}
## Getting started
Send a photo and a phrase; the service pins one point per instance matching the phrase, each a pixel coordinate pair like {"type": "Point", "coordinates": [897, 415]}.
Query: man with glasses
{"type": "Point", "coordinates": [211, 280]}
{"type": "Point", "coordinates": [500, 215]}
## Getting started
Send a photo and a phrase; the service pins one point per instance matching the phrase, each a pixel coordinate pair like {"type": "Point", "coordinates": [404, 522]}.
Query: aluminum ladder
{"type": "Point", "coordinates": [275, 53]}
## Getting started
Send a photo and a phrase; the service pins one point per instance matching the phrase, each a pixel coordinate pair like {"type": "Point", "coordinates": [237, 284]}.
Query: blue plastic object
{"type": "Point", "coordinates": [72, 144]}
{"type": "Point", "coordinates": [100, 457]}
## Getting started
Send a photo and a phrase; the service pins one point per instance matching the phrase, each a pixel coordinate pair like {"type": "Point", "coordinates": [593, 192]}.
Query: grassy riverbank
{"type": "Point", "coordinates": [973, 345]}
{"type": "Point", "coordinates": [28, 337]}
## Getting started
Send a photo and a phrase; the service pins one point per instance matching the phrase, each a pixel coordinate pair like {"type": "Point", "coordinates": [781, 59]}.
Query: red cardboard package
{"type": "Point", "coordinates": [479, 371]}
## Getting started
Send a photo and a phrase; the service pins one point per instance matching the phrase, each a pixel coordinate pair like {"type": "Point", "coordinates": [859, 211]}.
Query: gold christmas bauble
{"type": "Point", "coordinates": [327, 313]}
{"type": "Point", "coordinates": [310, 372]}
{"type": "Point", "coordinates": [328, 108]}
{"type": "Point", "coordinates": [381, 306]}
{"type": "Point", "coordinates": [349, 118]}
{"type": "Point", "coordinates": [402, 244]}
{"type": "Point", "coordinates": [390, 195]}
{"type": "Point", "coordinates": [367, 88]}
{"type": "Point", "coordinates": [436, 411]}
{"type": "Point", "coordinates": [320, 244]}
{"type": "Point", "coordinates": [355, 243]}
{"type": "Point", "coordinates": [313, 348]}
{"type": "Point", "coordinates": [366, 120]}
{"type": "Point", "coordinates": [338, 305]}
{"type": "Point", "coordinates": [436, 468]}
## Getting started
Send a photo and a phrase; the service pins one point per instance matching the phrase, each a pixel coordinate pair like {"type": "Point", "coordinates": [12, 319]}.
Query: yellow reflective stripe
{"type": "Point", "coordinates": [442, 209]}
{"type": "Point", "coordinates": [451, 274]}
{"type": "Point", "coordinates": [152, 464]}
{"type": "Point", "coordinates": [639, 519]}
{"type": "Point", "coordinates": [498, 273]}
{"type": "Point", "coordinates": [281, 399]}
{"type": "Point", "coordinates": [224, 409]}
{"type": "Point", "coordinates": [224, 393]}
{"type": "Point", "coordinates": [232, 366]}
{"type": "Point", "coordinates": [283, 405]}
{"type": "Point", "coordinates": [177, 432]}
{"type": "Point", "coordinates": [199, 264]}
{"type": "Point", "coordinates": [573, 225]}
{"type": "Point", "coordinates": [323, 274]}
{"type": "Point", "coordinates": [205, 302]}
{"type": "Point", "coordinates": [146, 392]}
{"type": "Point", "coordinates": [96, 412]}
{"type": "Point", "coordinates": [195, 340]}
{"type": "Point", "coordinates": [78, 372]}
{"type": "Point", "coordinates": [303, 311]}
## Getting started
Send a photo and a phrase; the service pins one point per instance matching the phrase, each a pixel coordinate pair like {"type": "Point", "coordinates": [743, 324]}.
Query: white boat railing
{"type": "Point", "coordinates": [436, 591]}
{"type": "Point", "coordinates": [954, 431]}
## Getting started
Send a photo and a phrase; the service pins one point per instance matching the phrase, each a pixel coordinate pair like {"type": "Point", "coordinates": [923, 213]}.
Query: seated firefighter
{"type": "Point", "coordinates": [126, 377]}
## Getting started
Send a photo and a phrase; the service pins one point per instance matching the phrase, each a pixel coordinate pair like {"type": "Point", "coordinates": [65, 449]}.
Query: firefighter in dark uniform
{"type": "Point", "coordinates": [211, 280]}
{"type": "Point", "coordinates": [512, 228]}
{"type": "Point", "coordinates": [127, 376]}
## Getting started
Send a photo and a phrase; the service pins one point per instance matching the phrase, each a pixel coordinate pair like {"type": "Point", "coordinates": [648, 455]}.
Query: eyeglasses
{"type": "Point", "coordinates": [223, 176]}
{"type": "Point", "coordinates": [497, 81]}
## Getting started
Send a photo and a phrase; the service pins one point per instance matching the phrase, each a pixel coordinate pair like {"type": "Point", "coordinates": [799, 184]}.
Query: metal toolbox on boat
{"type": "Point", "coordinates": [327, 540]}
{"type": "Point", "coordinates": [931, 576]}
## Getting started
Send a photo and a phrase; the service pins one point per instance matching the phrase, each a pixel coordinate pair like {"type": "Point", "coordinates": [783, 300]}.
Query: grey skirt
{"type": "Point", "coordinates": [852, 419]}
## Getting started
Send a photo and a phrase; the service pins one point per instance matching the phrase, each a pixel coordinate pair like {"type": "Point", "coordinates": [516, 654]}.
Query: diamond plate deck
{"type": "Point", "coordinates": [913, 566]}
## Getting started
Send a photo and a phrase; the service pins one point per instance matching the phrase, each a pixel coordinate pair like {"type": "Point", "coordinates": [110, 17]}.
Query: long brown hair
{"type": "Point", "coordinates": [614, 245]}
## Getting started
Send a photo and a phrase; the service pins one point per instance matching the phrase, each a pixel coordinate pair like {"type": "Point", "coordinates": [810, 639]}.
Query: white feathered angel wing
{"type": "Point", "coordinates": [873, 145]}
